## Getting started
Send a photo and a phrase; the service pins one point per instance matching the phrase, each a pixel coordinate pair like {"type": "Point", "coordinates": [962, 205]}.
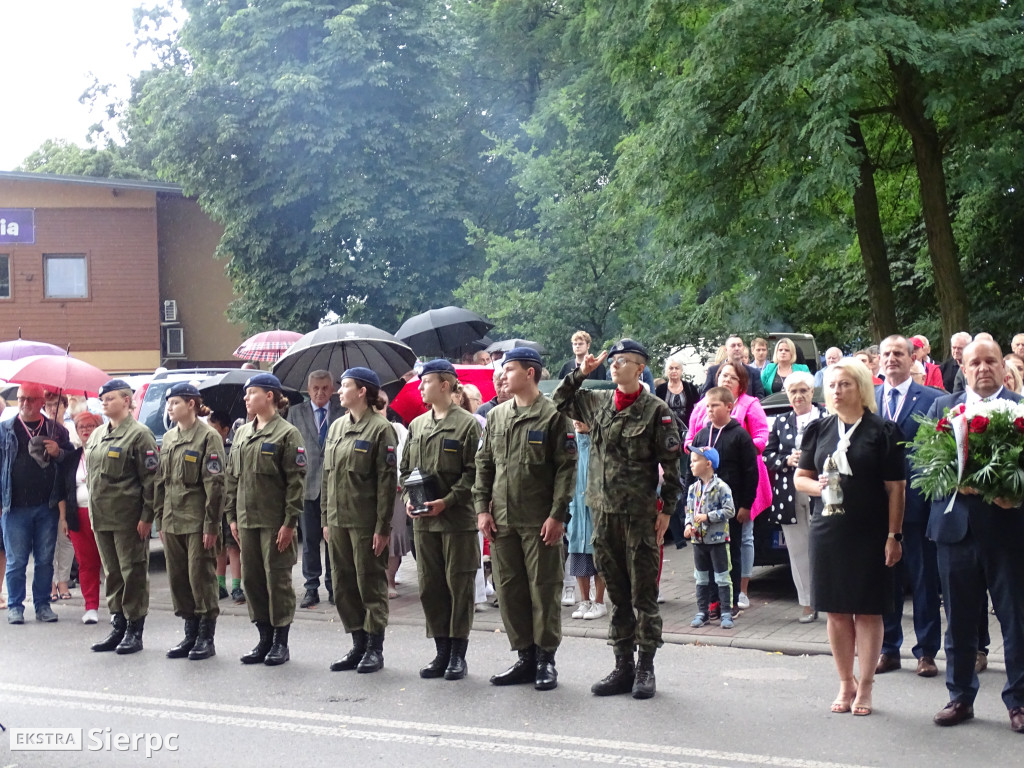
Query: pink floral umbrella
{"type": "Point", "coordinates": [267, 347]}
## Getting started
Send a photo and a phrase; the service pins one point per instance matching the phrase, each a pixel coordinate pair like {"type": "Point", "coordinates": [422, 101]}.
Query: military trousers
{"type": "Point", "coordinates": [192, 575]}
{"type": "Point", "coordinates": [267, 575]}
{"type": "Point", "coordinates": [446, 565]}
{"type": "Point", "coordinates": [626, 555]}
{"type": "Point", "coordinates": [528, 580]}
{"type": "Point", "coordinates": [360, 580]}
{"type": "Point", "coordinates": [125, 558]}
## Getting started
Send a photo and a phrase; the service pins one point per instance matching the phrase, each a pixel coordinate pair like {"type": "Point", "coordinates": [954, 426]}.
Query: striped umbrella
{"type": "Point", "coordinates": [267, 347]}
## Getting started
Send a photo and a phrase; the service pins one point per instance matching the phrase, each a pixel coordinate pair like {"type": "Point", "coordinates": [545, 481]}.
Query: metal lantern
{"type": "Point", "coordinates": [421, 488]}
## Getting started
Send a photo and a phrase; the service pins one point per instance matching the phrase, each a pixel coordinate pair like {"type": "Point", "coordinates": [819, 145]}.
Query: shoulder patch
{"type": "Point", "coordinates": [570, 442]}
{"type": "Point", "coordinates": [666, 419]}
{"type": "Point", "coordinates": [391, 458]}
{"type": "Point", "coordinates": [672, 442]}
{"type": "Point", "coordinates": [213, 464]}
{"type": "Point", "coordinates": [300, 456]}
{"type": "Point", "coordinates": [151, 461]}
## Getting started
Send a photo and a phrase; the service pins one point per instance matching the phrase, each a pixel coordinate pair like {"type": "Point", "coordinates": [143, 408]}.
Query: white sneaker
{"type": "Point", "coordinates": [743, 601]}
{"type": "Point", "coordinates": [597, 610]}
{"type": "Point", "coordinates": [661, 596]}
{"type": "Point", "coordinates": [569, 596]}
{"type": "Point", "coordinates": [582, 610]}
{"type": "Point", "coordinates": [488, 589]}
{"type": "Point", "coordinates": [90, 617]}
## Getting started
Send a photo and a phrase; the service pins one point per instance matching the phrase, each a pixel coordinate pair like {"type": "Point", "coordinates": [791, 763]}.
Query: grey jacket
{"type": "Point", "coordinates": [301, 416]}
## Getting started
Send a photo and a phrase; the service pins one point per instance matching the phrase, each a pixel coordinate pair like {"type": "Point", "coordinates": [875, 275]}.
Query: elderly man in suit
{"type": "Point", "coordinates": [980, 544]}
{"type": "Point", "coordinates": [312, 419]}
{"type": "Point", "coordinates": [734, 348]}
{"type": "Point", "coordinates": [900, 399]}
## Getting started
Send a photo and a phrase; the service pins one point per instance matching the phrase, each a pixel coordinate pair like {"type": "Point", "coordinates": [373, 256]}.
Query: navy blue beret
{"type": "Point", "coordinates": [113, 386]}
{"type": "Point", "coordinates": [182, 389]}
{"type": "Point", "coordinates": [364, 375]}
{"type": "Point", "coordinates": [628, 345]}
{"type": "Point", "coordinates": [264, 381]}
{"type": "Point", "coordinates": [438, 366]}
{"type": "Point", "coordinates": [523, 355]}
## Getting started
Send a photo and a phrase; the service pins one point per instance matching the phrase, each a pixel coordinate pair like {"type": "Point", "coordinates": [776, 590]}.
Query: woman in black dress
{"type": "Point", "coordinates": [855, 542]}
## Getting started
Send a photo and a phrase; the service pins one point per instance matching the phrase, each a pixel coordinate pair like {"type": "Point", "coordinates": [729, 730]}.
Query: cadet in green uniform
{"type": "Point", "coordinates": [188, 501]}
{"type": "Point", "coordinates": [525, 476]}
{"type": "Point", "coordinates": [631, 432]}
{"type": "Point", "coordinates": [122, 461]}
{"type": "Point", "coordinates": [360, 481]}
{"type": "Point", "coordinates": [264, 484]}
{"type": "Point", "coordinates": [442, 443]}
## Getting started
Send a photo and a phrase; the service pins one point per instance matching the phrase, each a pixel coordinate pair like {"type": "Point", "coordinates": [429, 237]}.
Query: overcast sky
{"type": "Point", "coordinates": [47, 50]}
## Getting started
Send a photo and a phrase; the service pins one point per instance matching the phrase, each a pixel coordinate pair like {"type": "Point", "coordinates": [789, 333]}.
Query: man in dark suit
{"type": "Point", "coordinates": [900, 399]}
{"type": "Point", "coordinates": [734, 348]}
{"type": "Point", "coordinates": [950, 368]}
{"type": "Point", "coordinates": [980, 544]}
{"type": "Point", "coordinates": [312, 419]}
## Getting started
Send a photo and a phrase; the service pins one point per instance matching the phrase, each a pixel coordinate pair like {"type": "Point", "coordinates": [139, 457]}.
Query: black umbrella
{"type": "Point", "coordinates": [472, 347]}
{"type": "Point", "coordinates": [439, 332]}
{"type": "Point", "coordinates": [505, 346]}
{"type": "Point", "coordinates": [336, 348]}
{"type": "Point", "coordinates": [226, 392]}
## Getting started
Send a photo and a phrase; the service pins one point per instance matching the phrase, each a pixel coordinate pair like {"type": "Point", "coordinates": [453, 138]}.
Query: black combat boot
{"type": "Point", "coordinates": [351, 659]}
{"type": "Point", "coordinates": [619, 680]}
{"type": "Point", "coordinates": [111, 641]}
{"type": "Point", "coordinates": [547, 677]}
{"type": "Point", "coordinates": [457, 667]}
{"type": "Point", "coordinates": [180, 651]}
{"type": "Point", "coordinates": [204, 648]}
{"type": "Point", "coordinates": [643, 684]}
{"type": "Point", "coordinates": [373, 659]}
{"type": "Point", "coordinates": [278, 653]}
{"type": "Point", "coordinates": [132, 641]}
{"type": "Point", "coordinates": [259, 653]}
{"type": "Point", "coordinates": [523, 671]}
{"type": "Point", "coordinates": [436, 667]}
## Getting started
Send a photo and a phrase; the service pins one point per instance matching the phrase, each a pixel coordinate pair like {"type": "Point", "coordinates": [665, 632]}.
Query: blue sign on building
{"type": "Point", "coordinates": [17, 225]}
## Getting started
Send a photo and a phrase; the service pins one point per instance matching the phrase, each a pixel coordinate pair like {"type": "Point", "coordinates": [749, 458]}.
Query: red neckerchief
{"type": "Point", "coordinates": [622, 400]}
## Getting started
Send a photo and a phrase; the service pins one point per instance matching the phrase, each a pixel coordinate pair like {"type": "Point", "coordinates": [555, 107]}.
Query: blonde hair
{"type": "Point", "coordinates": [861, 376]}
{"type": "Point", "coordinates": [789, 345]}
{"type": "Point", "coordinates": [581, 335]}
{"type": "Point", "coordinates": [721, 355]}
{"type": "Point", "coordinates": [1014, 374]}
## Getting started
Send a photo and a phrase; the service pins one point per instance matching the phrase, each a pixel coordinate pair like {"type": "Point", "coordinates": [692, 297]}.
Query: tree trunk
{"type": "Point", "coordinates": [872, 242]}
{"type": "Point", "coordinates": [949, 284]}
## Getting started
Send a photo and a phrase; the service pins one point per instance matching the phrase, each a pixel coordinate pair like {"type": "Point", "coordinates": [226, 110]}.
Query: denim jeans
{"type": "Point", "coordinates": [747, 550]}
{"type": "Point", "coordinates": [30, 531]}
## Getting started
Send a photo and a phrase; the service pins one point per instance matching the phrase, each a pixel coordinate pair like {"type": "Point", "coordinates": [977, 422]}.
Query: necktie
{"type": "Point", "coordinates": [321, 424]}
{"type": "Point", "coordinates": [894, 403]}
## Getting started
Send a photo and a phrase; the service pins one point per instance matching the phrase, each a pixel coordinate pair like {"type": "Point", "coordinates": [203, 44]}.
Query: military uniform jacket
{"type": "Point", "coordinates": [526, 464]}
{"type": "Point", "coordinates": [189, 494]}
{"type": "Point", "coordinates": [626, 448]}
{"type": "Point", "coordinates": [360, 474]}
{"type": "Point", "coordinates": [445, 449]}
{"type": "Point", "coordinates": [265, 478]}
{"type": "Point", "coordinates": [121, 469]}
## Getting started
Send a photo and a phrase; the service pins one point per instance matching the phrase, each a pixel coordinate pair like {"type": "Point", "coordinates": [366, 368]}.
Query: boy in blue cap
{"type": "Point", "coordinates": [709, 507]}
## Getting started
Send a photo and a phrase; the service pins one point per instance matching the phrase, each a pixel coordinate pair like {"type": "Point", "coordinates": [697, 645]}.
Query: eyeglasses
{"type": "Point", "coordinates": [618, 361]}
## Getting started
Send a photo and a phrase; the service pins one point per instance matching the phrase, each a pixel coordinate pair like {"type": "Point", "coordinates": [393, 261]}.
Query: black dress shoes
{"type": "Point", "coordinates": [955, 713]}
{"type": "Point", "coordinates": [311, 599]}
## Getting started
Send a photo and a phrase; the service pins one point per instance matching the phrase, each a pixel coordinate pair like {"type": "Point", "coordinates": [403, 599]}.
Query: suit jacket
{"type": "Point", "coordinates": [301, 416]}
{"type": "Point", "coordinates": [949, 370]}
{"type": "Point", "coordinates": [754, 387]}
{"type": "Point", "coordinates": [918, 401]}
{"type": "Point", "coordinates": [989, 523]}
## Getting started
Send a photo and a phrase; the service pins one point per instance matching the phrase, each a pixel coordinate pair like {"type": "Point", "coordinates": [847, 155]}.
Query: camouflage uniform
{"type": "Point", "coordinates": [622, 490]}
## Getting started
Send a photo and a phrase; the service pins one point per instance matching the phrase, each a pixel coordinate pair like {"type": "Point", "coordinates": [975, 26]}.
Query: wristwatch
{"type": "Point", "coordinates": [897, 536]}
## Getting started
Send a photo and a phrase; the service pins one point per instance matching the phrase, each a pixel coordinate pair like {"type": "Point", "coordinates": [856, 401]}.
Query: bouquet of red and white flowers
{"type": "Point", "coordinates": [978, 447]}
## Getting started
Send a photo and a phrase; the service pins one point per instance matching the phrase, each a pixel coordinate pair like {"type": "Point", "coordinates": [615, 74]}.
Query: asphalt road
{"type": "Point", "coordinates": [715, 707]}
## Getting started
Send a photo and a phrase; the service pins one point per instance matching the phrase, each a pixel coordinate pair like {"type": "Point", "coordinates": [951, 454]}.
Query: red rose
{"type": "Point", "coordinates": [944, 425]}
{"type": "Point", "coordinates": [957, 410]}
{"type": "Point", "coordinates": [1018, 424]}
{"type": "Point", "coordinates": [978, 425]}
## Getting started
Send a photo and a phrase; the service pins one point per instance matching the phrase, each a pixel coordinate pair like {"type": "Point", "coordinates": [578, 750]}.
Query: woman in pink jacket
{"type": "Point", "coordinates": [749, 413]}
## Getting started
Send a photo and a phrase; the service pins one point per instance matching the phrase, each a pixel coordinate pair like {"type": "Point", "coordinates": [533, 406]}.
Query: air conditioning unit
{"type": "Point", "coordinates": [170, 311]}
{"type": "Point", "coordinates": [174, 342]}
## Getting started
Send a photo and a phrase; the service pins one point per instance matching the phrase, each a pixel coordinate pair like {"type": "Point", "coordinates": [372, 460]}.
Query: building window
{"type": "Point", "coordinates": [66, 276]}
{"type": "Point", "coordinates": [5, 276]}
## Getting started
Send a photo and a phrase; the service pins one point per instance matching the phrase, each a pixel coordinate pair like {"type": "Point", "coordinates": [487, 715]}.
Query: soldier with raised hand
{"type": "Point", "coordinates": [122, 461]}
{"type": "Point", "coordinates": [631, 433]}
{"type": "Point", "coordinates": [525, 477]}
{"type": "Point", "coordinates": [443, 443]}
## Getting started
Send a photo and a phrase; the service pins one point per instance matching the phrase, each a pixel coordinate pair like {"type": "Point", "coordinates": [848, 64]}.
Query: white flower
{"type": "Point", "coordinates": [991, 407]}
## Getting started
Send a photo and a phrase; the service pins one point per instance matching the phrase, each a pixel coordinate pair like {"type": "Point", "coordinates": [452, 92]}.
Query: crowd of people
{"type": "Point", "coordinates": [568, 497]}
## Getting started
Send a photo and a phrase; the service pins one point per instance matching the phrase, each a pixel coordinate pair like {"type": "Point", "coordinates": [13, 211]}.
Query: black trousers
{"type": "Point", "coordinates": [312, 543]}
